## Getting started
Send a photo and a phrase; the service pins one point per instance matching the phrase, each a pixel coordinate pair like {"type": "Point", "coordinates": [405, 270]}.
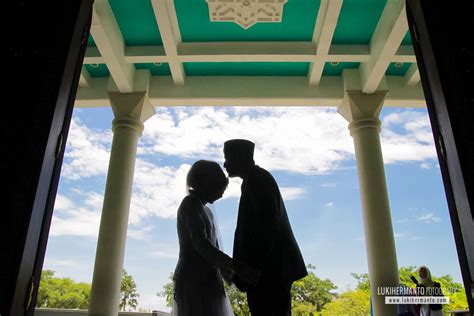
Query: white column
{"type": "Point", "coordinates": [362, 112]}
{"type": "Point", "coordinates": [130, 110]}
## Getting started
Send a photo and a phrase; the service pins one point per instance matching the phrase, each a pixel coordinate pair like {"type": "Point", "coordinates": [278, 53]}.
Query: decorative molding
{"type": "Point", "coordinates": [246, 12]}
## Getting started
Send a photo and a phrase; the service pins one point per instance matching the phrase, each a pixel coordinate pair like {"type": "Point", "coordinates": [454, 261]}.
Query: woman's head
{"type": "Point", "coordinates": [425, 275]}
{"type": "Point", "coordinates": [207, 179]}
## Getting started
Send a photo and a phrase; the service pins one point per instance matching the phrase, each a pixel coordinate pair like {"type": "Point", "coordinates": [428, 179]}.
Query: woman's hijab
{"type": "Point", "coordinates": [426, 281]}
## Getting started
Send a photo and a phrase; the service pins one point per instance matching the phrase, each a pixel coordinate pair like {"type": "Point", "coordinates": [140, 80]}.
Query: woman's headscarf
{"type": "Point", "coordinates": [427, 281]}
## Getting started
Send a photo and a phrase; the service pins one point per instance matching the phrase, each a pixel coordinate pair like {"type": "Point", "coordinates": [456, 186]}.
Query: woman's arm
{"type": "Point", "coordinates": [192, 214]}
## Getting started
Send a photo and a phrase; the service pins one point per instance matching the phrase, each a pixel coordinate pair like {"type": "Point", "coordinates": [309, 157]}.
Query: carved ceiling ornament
{"type": "Point", "coordinates": [246, 12]}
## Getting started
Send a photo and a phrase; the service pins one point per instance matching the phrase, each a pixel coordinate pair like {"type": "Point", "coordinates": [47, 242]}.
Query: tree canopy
{"type": "Point", "coordinates": [309, 295]}
{"type": "Point", "coordinates": [128, 292]}
{"type": "Point", "coordinates": [358, 300]}
{"type": "Point", "coordinates": [65, 293]}
{"type": "Point", "coordinates": [62, 292]}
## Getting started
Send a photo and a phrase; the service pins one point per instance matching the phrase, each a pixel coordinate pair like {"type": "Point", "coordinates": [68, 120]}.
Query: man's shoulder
{"type": "Point", "coordinates": [261, 172]}
{"type": "Point", "coordinates": [260, 176]}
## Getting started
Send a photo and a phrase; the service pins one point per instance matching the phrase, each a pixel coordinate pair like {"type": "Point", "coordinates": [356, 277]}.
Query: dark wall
{"type": "Point", "coordinates": [443, 39]}
{"type": "Point", "coordinates": [46, 42]}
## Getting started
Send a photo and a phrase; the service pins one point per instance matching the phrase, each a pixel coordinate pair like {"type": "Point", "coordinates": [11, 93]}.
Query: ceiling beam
{"type": "Point", "coordinates": [412, 76]}
{"type": "Point", "coordinates": [110, 44]}
{"type": "Point", "coordinates": [167, 20]}
{"type": "Point", "coordinates": [251, 91]}
{"type": "Point", "coordinates": [326, 23]}
{"type": "Point", "coordinates": [384, 44]}
{"type": "Point", "coordinates": [250, 52]}
{"type": "Point", "coordinates": [85, 78]}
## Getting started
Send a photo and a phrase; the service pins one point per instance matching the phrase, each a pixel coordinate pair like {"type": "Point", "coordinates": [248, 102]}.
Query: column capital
{"type": "Point", "coordinates": [362, 110]}
{"type": "Point", "coordinates": [357, 105]}
{"type": "Point", "coordinates": [131, 109]}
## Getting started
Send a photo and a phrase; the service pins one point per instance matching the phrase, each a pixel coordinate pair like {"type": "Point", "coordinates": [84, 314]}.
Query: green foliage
{"type": "Point", "coordinates": [362, 281]}
{"type": "Point", "coordinates": [62, 292]}
{"type": "Point", "coordinates": [455, 291]}
{"type": "Point", "coordinates": [310, 294]}
{"type": "Point", "coordinates": [167, 292]}
{"type": "Point", "coordinates": [128, 292]}
{"type": "Point", "coordinates": [65, 293]}
{"type": "Point", "coordinates": [350, 303]}
{"type": "Point", "coordinates": [313, 296]}
{"type": "Point", "coordinates": [238, 300]}
{"type": "Point", "coordinates": [350, 300]}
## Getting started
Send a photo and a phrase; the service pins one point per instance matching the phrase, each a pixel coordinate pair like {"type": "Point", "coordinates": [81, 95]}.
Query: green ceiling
{"type": "Point", "coordinates": [357, 21]}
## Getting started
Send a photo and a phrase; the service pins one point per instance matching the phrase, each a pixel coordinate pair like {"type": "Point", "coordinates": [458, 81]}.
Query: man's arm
{"type": "Point", "coordinates": [265, 201]}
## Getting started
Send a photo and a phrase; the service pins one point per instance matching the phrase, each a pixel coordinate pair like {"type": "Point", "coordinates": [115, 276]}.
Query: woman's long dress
{"type": "Point", "coordinates": [198, 285]}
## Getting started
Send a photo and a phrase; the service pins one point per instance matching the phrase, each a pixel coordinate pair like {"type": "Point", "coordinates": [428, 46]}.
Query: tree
{"type": "Point", "coordinates": [354, 302]}
{"type": "Point", "coordinates": [238, 300]}
{"type": "Point", "coordinates": [167, 292]}
{"type": "Point", "coordinates": [62, 292]}
{"type": "Point", "coordinates": [362, 281]}
{"type": "Point", "coordinates": [128, 292]}
{"type": "Point", "coordinates": [350, 303]}
{"type": "Point", "coordinates": [65, 293]}
{"type": "Point", "coordinates": [310, 293]}
{"type": "Point", "coordinates": [455, 291]}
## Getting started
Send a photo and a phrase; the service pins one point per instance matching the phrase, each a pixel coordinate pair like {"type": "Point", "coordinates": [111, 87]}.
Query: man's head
{"type": "Point", "coordinates": [238, 155]}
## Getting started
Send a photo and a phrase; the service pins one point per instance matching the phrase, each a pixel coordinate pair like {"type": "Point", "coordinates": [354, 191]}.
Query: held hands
{"type": "Point", "coordinates": [245, 276]}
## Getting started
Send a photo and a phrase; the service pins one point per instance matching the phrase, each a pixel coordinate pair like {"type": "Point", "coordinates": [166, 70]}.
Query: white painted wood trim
{"type": "Point", "coordinates": [412, 77]}
{"type": "Point", "coordinates": [110, 44]}
{"type": "Point", "coordinates": [385, 42]}
{"type": "Point", "coordinates": [85, 78]}
{"type": "Point", "coordinates": [250, 52]}
{"type": "Point", "coordinates": [251, 91]}
{"type": "Point", "coordinates": [326, 23]}
{"type": "Point", "coordinates": [167, 20]}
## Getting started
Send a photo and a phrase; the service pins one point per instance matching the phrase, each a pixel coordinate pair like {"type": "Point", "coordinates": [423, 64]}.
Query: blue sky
{"type": "Point", "coordinates": [308, 150]}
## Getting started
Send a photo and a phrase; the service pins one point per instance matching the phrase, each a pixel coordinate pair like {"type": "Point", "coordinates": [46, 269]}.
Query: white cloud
{"type": "Point", "coordinates": [329, 204]}
{"type": "Point", "coordinates": [305, 140]}
{"type": "Point", "coordinates": [425, 165]}
{"type": "Point", "coordinates": [141, 233]}
{"type": "Point", "coordinates": [403, 220]}
{"type": "Point", "coordinates": [157, 190]}
{"type": "Point", "coordinates": [77, 219]}
{"type": "Point", "coordinates": [429, 218]}
{"type": "Point", "coordinates": [164, 251]}
{"type": "Point", "coordinates": [87, 152]}
{"type": "Point", "coordinates": [298, 139]}
{"type": "Point", "coordinates": [328, 185]}
{"type": "Point", "coordinates": [292, 193]}
{"type": "Point", "coordinates": [63, 202]}
{"type": "Point", "coordinates": [414, 144]}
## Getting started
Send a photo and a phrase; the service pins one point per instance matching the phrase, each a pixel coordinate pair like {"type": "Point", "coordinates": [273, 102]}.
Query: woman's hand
{"type": "Point", "coordinates": [247, 274]}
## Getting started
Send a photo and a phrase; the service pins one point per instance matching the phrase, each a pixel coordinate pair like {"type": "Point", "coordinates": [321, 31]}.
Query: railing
{"type": "Point", "coordinates": [84, 312]}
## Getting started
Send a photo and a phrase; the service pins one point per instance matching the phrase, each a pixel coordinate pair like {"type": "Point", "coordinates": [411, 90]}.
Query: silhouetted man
{"type": "Point", "coordinates": [263, 236]}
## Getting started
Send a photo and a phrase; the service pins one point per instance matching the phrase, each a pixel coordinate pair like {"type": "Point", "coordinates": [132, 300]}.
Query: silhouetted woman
{"type": "Point", "coordinates": [431, 288]}
{"type": "Point", "coordinates": [198, 285]}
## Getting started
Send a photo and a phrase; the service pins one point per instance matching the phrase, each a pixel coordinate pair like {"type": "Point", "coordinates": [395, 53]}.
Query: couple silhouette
{"type": "Point", "coordinates": [266, 257]}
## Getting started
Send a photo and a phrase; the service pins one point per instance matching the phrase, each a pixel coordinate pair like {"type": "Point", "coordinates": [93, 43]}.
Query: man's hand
{"type": "Point", "coordinates": [247, 275]}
